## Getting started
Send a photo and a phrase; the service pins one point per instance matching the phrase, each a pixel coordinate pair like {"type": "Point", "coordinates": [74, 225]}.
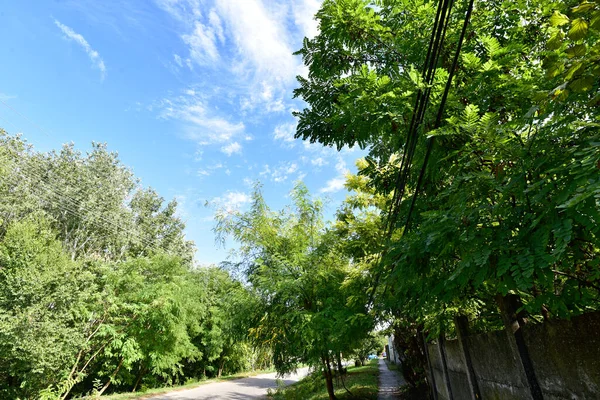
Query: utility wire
{"type": "Point", "coordinates": [432, 58]}
{"type": "Point", "coordinates": [72, 206]}
{"type": "Point", "coordinates": [436, 40]}
{"type": "Point", "coordinates": [28, 172]}
{"type": "Point", "coordinates": [440, 114]}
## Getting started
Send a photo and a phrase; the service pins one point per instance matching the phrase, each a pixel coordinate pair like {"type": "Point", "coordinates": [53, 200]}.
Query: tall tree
{"type": "Point", "coordinates": [291, 263]}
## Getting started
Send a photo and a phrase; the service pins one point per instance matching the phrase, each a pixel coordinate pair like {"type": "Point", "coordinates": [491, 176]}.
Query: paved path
{"type": "Point", "coordinates": [254, 387]}
{"type": "Point", "coordinates": [389, 382]}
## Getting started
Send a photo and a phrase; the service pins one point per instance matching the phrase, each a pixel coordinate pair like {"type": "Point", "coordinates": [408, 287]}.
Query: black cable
{"type": "Point", "coordinates": [429, 68]}
{"type": "Point", "coordinates": [429, 144]}
{"type": "Point", "coordinates": [428, 74]}
{"type": "Point", "coordinates": [438, 120]}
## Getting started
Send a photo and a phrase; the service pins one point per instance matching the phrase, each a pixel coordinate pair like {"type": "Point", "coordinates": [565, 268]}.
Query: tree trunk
{"type": "Point", "coordinates": [111, 377]}
{"type": "Point", "coordinates": [220, 369]}
{"type": "Point", "coordinates": [139, 379]}
{"type": "Point", "coordinates": [339, 363]}
{"type": "Point", "coordinates": [329, 378]}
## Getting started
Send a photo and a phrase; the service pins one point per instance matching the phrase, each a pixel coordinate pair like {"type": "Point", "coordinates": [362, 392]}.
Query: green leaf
{"type": "Point", "coordinates": [582, 84]}
{"type": "Point", "coordinates": [579, 29]}
{"type": "Point", "coordinates": [555, 40]}
{"type": "Point", "coordinates": [583, 7]}
{"type": "Point", "coordinates": [578, 50]}
{"type": "Point", "coordinates": [558, 19]}
{"type": "Point", "coordinates": [574, 70]}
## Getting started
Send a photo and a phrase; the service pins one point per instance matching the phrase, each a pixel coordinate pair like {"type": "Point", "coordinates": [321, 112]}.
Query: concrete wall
{"type": "Point", "coordinates": [438, 371]}
{"type": "Point", "coordinates": [565, 356]}
{"type": "Point", "coordinates": [393, 353]}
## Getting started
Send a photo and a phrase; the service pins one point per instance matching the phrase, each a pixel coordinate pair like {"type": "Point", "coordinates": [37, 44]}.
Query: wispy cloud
{"type": "Point", "coordinates": [280, 173]}
{"type": "Point", "coordinates": [336, 184]}
{"type": "Point", "coordinates": [232, 148]}
{"type": "Point", "coordinates": [231, 201]}
{"type": "Point", "coordinates": [70, 34]}
{"type": "Point", "coordinates": [210, 169]}
{"type": "Point", "coordinates": [304, 11]}
{"type": "Point", "coordinates": [319, 162]}
{"type": "Point", "coordinates": [203, 123]}
{"type": "Point", "coordinates": [6, 97]}
{"type": "Point", "coordinates": [202, 43]}
{"type": "Point", "coordinates": [285, 134]}
{"type": "Point", "coordinates": [250, 42]}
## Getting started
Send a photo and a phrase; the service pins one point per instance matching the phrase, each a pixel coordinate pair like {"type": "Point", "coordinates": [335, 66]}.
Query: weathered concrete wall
{"type": "Point", "coordinates": [438, 371]}
{"type": "Point", "coordinates": [498, 371]}
{"type": "Point", "coordinates": [565, 357]}
{"type": "Point", "coordinates": [457, 370]}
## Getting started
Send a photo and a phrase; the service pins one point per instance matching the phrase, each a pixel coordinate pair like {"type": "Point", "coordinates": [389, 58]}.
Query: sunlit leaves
{"type": "Point", "coordinates": [559, 19]}
{"type": "Point", "coordinates": [579, 29]}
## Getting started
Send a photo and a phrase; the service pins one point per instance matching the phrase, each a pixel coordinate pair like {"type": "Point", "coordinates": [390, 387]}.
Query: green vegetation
{"type": "Point", "coordinates": [99, 292]}
{"type": "Point", "coordinates": [312, 304]}
{"type": "Point", "coordinates": [503, 194]}
{"type": "Point", "coordinates": [360, 383]}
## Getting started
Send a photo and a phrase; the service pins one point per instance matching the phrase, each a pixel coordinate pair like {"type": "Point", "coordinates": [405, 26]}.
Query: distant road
{"type": "Point", "coordinates": [254, 387]}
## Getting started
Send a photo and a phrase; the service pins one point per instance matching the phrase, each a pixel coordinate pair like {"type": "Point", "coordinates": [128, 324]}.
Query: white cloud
{"type": "Point", "coordinates": [341, 166]}
{"type": "Point", "coordinates": [178, 60]}
{"type": "Point", "coordinates": [261, 37]}
{"type": "Point", "coordinates": [232, 148]}
{"type": "Point", "coordinates": [231, 201]}
{"type": "Point", "coordinates": [285, 133]}
{"type": "Point", "coordinates": [70, 34]}
{"type": "Point", "coordinates": [281, 173]}
{"type": "Point", "coordinates": [319, 162]}
{"type": "Point", "coordinates": [202, 44]}
{"type": "Point", "coordinates": [183, 10]}
{"type": "Point", "coordinates": [203, 124]}
{"type": "Point", "coordinates": [304, 11]}
{"type": "Point", "coordinates": [248, 42]}
{"type": "Point", "coordinates": [210, 169]}
{"type": "Point", "coordinates": [334, 185]}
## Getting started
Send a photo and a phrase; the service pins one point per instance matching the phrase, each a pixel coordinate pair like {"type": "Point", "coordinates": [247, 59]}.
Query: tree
{"type": "Point", "coordinates": [292, 266]}
{"type": "Point", "coordinates": [44, 299]}
{"type": "Point", "coordinates": [97, 286]}
{"type": "Point", "coordinates": [94, 202]}
{"type": "Point", "coordinates": [507, 202]}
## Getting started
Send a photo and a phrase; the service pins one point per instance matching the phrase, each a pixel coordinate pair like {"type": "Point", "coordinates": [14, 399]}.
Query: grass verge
{"type": "Point", "coordinates": [362, 382]}
{"type": "Point", "coordinates": [148, 393]}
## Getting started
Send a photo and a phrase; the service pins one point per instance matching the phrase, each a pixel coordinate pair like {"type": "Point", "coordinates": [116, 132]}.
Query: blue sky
{"type": "Point", "coordinates": [194, 95]}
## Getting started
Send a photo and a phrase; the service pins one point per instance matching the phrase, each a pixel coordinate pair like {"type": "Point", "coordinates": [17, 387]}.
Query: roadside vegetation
{"type": "Point", "coordinates": [357, 383]}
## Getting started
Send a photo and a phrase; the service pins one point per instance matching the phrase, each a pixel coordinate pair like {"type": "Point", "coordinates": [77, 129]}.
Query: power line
{"type": "Point", "coordinates": [431, 61]}
{"type": "Point", "coordinates": [437, 37]}
{"type": "Point", "coordinates": [25, 117]}
{"type": "Point", "coordinates": [440, 113]}
{"type": "Point", "coordinates": [27, 171]}
{"type": "Point", "coordinates": [72, 206]}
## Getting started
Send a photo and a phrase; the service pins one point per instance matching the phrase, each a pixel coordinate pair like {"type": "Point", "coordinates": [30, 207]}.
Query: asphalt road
{"type": "Point", "coordinates": [254, 387]}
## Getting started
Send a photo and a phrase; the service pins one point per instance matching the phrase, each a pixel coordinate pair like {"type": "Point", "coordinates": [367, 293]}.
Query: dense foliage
{"type": "Point", "coordinates": [312, 304]}
{"type": "Point", "coordinates": [98, 290]}
{"type": "Point", "coordinates": [510, 200]}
